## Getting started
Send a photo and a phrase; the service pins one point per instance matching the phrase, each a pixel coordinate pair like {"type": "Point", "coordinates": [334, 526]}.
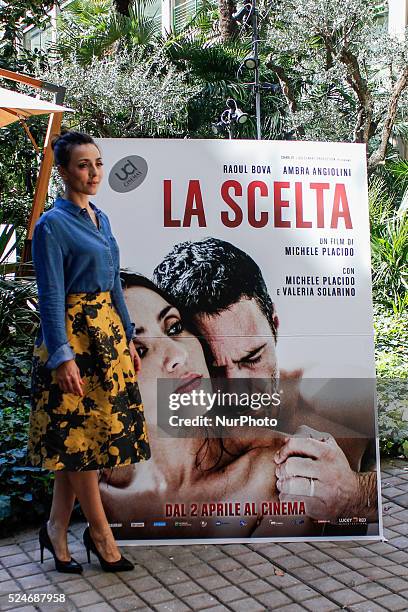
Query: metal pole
{"type": "Point", "coordinates": [257, 89]}
{"type": "Point", "coordinates": [230, 127]}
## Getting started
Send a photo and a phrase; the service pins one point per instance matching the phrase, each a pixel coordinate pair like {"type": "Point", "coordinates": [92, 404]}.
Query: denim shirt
{"type": "Point", "coordinates": [71, 255]}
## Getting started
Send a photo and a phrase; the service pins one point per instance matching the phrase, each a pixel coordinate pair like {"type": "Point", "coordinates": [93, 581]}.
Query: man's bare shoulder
{"type": "Point", "coordinates": [257, 460]}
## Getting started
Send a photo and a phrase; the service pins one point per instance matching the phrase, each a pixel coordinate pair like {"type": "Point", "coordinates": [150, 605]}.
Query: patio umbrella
{"type": "Point", "coordinates": [15, 106]}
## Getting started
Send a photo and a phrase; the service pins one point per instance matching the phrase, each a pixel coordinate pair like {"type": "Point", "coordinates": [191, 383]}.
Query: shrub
{"type": "Point", "coordinates": [18, 316]}
{"type": "Point", "coordinates": [392, 382]}
{"type": "Point", "coordinates": [26, 491]}
{"type": "Point", "coordinates": [389, 247]}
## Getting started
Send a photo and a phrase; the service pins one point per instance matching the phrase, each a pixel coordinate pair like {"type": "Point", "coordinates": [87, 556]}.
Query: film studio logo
{"type": "Point", "coordinates": [128, 173]}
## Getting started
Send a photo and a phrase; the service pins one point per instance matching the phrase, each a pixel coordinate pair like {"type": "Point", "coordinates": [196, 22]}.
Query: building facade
{"type": "Point", "coordinates": [171, 16]}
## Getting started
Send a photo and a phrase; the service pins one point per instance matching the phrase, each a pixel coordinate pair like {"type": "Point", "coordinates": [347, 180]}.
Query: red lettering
{"type": "Point", "coordinates": [263, 220]}
{"type": "Point", "coordinates": [278, 203]}
{"type": "Point", "coordinates": [299, 207]}
{"type": "Point", "coordinates": [237, 188]}
{"type": "Point", "coordinates": [194, 197]}
{"type": "Point", "coordinates": [247, 509]}
{"type": "Point", "coordinates": [340, 198]}
{"type": "Point", "coordinates": [168, 221]}
{"type": "Point", "coordinates": [320, 187]}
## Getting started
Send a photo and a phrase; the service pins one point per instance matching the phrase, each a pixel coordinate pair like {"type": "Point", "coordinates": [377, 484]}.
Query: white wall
{"type": "Point", "coordinates": [397, 16]}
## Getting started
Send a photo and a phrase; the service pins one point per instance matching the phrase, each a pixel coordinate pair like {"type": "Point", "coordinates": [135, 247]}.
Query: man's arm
{"type": "Point", "coordinates": [311, 466]}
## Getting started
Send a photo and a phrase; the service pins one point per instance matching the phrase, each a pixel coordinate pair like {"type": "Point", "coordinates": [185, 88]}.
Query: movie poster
{"type": "Point", "coordinates": [247, 274]}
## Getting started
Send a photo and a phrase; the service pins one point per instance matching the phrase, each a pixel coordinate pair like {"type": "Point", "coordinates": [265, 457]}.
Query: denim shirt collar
{"type": "Point", "coordinates": [73, 208]}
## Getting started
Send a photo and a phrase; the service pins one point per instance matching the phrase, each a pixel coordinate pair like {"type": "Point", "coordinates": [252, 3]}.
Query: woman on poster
{"type": "Point", "coordinates": [200, 469]}
{"type": "Point", "coordinates": [86, 407]}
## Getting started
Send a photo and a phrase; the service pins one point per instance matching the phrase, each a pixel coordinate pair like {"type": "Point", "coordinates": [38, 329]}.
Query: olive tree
{"type": "Point", "coordinates": [122, 96]}
{"type": "Point", "coordinates": [342, 76]}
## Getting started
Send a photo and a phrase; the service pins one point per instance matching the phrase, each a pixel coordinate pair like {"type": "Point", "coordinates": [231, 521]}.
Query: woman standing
{"type": "Point", "coordinates": [86, 408]}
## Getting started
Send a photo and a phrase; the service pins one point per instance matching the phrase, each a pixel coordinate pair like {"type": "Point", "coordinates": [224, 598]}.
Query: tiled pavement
{"type": "Point", "coordinates": [286, 577]}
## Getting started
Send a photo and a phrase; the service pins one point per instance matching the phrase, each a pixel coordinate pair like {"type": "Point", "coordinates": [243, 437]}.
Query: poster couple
{"type": "Point", "coordinates": [208, 312]}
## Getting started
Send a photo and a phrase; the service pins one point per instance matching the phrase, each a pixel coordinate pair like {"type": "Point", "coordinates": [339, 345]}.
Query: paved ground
{"type": "Point", "coordinates": [236, 577]}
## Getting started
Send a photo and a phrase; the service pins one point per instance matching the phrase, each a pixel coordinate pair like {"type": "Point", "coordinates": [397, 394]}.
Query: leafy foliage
{"type": "Point", "coordinates": [390, 263]}
{"type": "Point", "coordinates": [15, 210]}
{"type": "Point", "coordinates": [26, 491]}
{"type": "Point", "coordinates": [391, 343]}
{"type": "Point", "coordinates": [91, 29]}
{"type": "Point", "coordinates": [391, 331]}
{"type": "Point", "coordinates": [399, 169]}
{"type": "Point", "coordinates": [18, 317]}
{"type": "Point", "coordinates": [14, 15]}
{"type": "Point", "coordinates": [338, 68]}
{"type": "Point", "coordinates": [393, 417]}
{"type": "Point", "coordinates": [121, 96]}
{"type": "Point", "coordinates": [389, 246]}
{"type": "Point", "coordinates": [216, 69]}
{"type": "Point", "coordinates": [19, 165]}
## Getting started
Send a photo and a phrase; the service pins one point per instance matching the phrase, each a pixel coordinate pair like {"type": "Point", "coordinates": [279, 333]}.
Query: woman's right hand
{"type": "Point", "coordinates": [69, 378]}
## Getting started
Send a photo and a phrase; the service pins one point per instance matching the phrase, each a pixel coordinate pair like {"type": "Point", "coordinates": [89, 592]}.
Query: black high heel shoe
{"type": "Point", "coordinates": [122, 565]}
{"type": "Point", "coordinates": [67, 567]}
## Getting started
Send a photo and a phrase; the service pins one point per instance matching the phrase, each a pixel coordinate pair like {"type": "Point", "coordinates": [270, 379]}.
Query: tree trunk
{"type": "Point", "coordinates": [379, 155]}
{"type": "Point", "coordinates": [228, 27]}
{"type": "Point", "coordinates": [122, 6]}
{"type": "Point", "coordinates": [288, 93]}
{"type": "Point", "coordinates": [365, 127]}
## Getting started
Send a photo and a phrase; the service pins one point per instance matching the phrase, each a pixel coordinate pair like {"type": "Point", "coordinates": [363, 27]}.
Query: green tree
{"type": "Point", "coordinates": [13, 17]}
{"type": "Point", "coordinates": [89, 29]}
{"type": "Point", "coordinates": [389, 248]}
{"type": "Point", "coordinates": [342, 76]}
{"type": "Point", "coordinates": [122, 96]}
{"type": "Point", "coordinates": [19, 166]}
{"type": "Point", "coordinates": [18, 159]}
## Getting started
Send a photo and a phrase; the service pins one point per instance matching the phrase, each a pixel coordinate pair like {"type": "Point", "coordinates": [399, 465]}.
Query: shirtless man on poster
{"type": "Point", "coordinates": [223, 290]}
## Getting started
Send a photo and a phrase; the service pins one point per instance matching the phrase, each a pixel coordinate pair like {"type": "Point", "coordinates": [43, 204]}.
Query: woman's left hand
{"type": "Point", "coordinates": [135, 357]}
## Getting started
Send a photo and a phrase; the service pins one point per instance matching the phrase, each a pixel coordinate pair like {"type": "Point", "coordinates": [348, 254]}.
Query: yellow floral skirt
{"type": "Point", "coordinates": [104, 428]}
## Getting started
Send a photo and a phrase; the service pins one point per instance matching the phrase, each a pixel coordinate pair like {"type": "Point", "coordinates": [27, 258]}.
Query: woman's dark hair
{"type": "Point", "coordinates": [210, 445]}
{"type": "Point", "coordinates": [132, 279]}
{"type": "Point", "coordinates": [63, 143]}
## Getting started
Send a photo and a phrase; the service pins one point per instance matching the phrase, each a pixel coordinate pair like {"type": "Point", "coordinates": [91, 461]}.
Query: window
{"type": "Point", "coordinates": [38, 39]}
{"type": "Point", "coordinates": [153, 9]}
{"type": "Point", "coordinates": [183, 11]}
